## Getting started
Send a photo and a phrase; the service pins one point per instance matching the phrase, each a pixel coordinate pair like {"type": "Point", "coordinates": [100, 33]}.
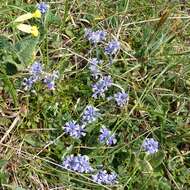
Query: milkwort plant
{"type": "Point", "coordinates": [37, 74]}
{"type": "Point", "coordinates": [90, 114]}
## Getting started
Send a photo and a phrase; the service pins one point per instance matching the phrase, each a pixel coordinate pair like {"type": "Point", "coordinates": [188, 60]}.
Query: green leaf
{"type": "Point", "coordinates": [145, 166]}
{"type": "Point", "coordinates": [3, 177]}
{"type": "Point", "coordinates": [10, 68]}
{"type": "Point", "coordinates": [10, 87]}
{"type": "Point", "coordinates": [164, 185]}
{"type": "Point", "coordinates": [9, 58]}
{"type": "Point", "coordinates": [5, 43]}
{"type": "Point", "coordinates": [19, 188]}
{"type": "Point", "coordinates": [25, 49]}
{"type": "Point", "coordinates": [52, 18]}
{"type": "Point", "coordinates": [156, 159]}
{"type": "Point", "coordinates": [4, 122]}
{"type": "Point", "coordinates": [30, 140]}
{"type": "Point", "coordinates": [2, 163]}
{"type": "Point", "coordinates": [69, 32]}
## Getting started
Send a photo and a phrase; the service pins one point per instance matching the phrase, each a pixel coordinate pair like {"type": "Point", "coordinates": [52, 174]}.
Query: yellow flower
{"type": "Point", "coordinates": [24, 28]}
{"type": "Point", "coordinates": [37, 14]}
{"type": "Point", "coordinates": [34, 31]}
{"type": "Point", "coordinates": [27, 16]}
{"type": "Point", "coordinates": [33, 55]}
{"type": "Point", "coordinates": [28, 29]}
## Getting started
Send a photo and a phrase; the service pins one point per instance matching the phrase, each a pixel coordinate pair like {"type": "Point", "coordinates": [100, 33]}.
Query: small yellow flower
{"type": "Point", "coordinates": [28, 29]}
{"type": "Point", "coordinates": [24, 28]}
{"type": "Point", "coordinates": [33, 55]}
{"type": "Point", "coordinates": [27, 16]}
{"type": "Point", "coordinates": [37, 14]}
{"type": "Point", "coordinates": [34, 31]}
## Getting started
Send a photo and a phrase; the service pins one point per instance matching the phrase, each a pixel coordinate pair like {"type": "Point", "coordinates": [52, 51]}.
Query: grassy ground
{"type": "Point", "coordinates": [153, 66]}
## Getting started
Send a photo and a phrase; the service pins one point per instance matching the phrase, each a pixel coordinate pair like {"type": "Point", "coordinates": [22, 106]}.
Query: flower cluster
{"type": "Point", "coordinates": [150, 145]}
{"type": "Point", "coordinates": [77, 163]}
{"type": "Point", "coordinates": [94, 67]}
{"type": "Point", "coordinates": [103, 177]}
{"type": "Point", "coordinates": [50, 78]}
{"type": "Point", "coordinates": [74, 130]}
{"type": "Point", "coordinates": [101, 86]}
{"type": "Point", "coordinates": [42, 7]}
{"type": "Point", "coordinates": [37, 74]}
{"type": "Point", "coordinates": [90, 114]}
{"type": "Point", "coordinates": [112, 47]}
{"type": "Point", "coordinates": [107, 137]}
{"type": "Point", "coordinates": [95, 37]}
{"type": "Point", "coordinates": [36, 69]}
{"type": "Point", "coordinates": [28, 82]}
{"type": "Point", "coordinates": [121, 98]}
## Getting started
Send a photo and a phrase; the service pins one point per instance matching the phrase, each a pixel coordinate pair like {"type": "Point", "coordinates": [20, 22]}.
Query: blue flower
{"type": "Point", "coordinates": [74, 130]}
{"type": "Point", "coordinates": [95, 37]}
{"type": "Point", "coordinates": [121, 98]}
{"type": "Point", "coordinates": [69, 162]}
{"type": "Point", "coordinates": [36, 68]}
{"type": "Point", "coordinates": [51, 85]}
{"type": "Point", "coordinates": [100, 87]}
{"type": "Point", "coordinates": [43, 7]}
{"type": "Point", "coordinates": [150, 145]}
{"type": "Point", "coordinates": [102, 177]}
{"type": "Point", "coordinates": [95, 72]}
{"type": "Point", "coordinates": [112, 178]}
{"type": "Point", "coordinates": [90, 114]}
{"type": "Point", "coordinates": [35, 71]}
{"type": "Point", "coordinates": [112, 47]}
{"type": "Point", "coordinates": [77, 163]}
{"type": "Point", "coordinates": [107, 137]}
{"type": "Point", "coordinates": [95, 61]}
{"type": "Point", "coordinates": [49, 80]}
{"type": "Point", "coordinates": [28, 82]}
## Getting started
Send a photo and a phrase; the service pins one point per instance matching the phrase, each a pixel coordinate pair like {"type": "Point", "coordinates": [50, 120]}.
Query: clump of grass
{"type": "Point", "coordinates": [99, 99]}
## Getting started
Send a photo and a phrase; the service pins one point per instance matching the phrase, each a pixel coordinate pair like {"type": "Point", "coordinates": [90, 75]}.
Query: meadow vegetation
{"type": "Point", "coordinates": [95, 95]}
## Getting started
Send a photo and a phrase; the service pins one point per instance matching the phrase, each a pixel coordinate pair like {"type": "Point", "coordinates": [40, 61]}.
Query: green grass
{"type": "Point", "coordinates": [152, 66]}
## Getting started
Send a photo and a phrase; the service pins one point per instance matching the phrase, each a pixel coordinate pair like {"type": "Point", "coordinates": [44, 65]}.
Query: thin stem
{"type": "Point", "coordinates": [118, 86]}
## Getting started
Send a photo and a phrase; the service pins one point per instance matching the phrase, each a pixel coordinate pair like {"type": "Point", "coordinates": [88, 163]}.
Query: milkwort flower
{"type": "Point", "coordinates": [95, 37]}
{"type": "Point", "coordinates": [36, 68]}
{"type": "Point", "coordinates": [28, 82]}
{"type": "Point", "coordinates": [77, 163]}
{"type": "Point", "coordinates": [121, 98]}
{"type": "Point", "coordinates": [150, 145]}
{"type": "Point", "coordinates": [107, 137]}
{"type": "Point", "coordinates": [95, 72]}
{"type": "Point", "coordinates": [90, 114]}
{"type": "Point", "coordinates": [112, 47]}
{"type": "Point", "coordinates": [42, 7]}
{"type": "Point", "coordinates": [35, 71]}
{"type": "Point", "coordinates": [103, 177]}
{"type": "Point", "coordinates": [49, 80]}
{"type": "Point", "coordinates": [100, 87]}
{"type": "Point", "coordinates": [74, 130]}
